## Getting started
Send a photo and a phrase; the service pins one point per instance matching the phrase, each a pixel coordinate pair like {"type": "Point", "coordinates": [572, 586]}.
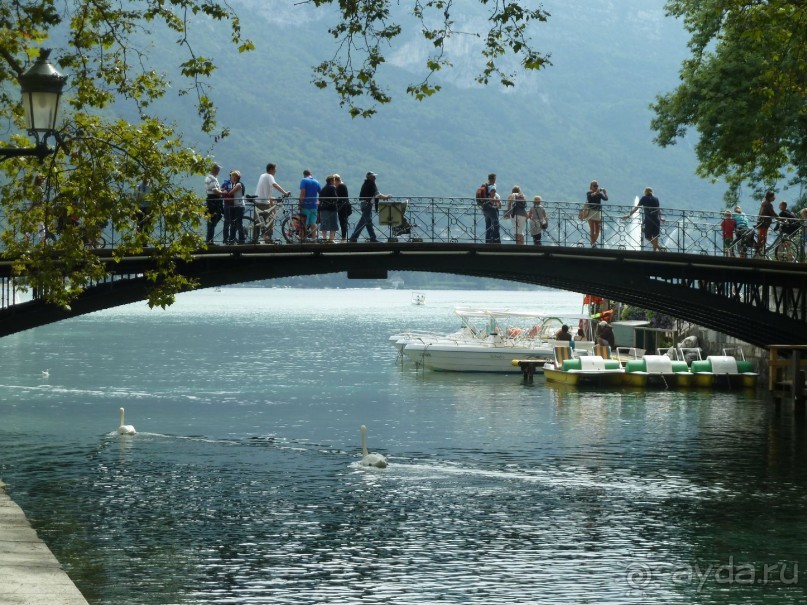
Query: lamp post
{"type": "Point", "coordinates": [41, 87]}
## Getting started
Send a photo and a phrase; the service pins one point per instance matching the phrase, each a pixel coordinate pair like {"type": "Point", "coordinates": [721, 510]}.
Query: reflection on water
{"type": "Point", "coordinates": [242, 484]}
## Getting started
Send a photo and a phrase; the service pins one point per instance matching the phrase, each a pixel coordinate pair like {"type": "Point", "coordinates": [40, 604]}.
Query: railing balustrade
{"type": "Point", "coordinates": [460, 220]}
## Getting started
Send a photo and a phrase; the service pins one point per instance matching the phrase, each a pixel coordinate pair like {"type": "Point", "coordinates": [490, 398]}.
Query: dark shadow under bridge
{"type": "Point", "coordinates": [758, 301]}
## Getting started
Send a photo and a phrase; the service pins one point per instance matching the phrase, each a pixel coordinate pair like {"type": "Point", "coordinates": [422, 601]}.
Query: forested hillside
{"type": "Point", "coordinates": [584, 117]}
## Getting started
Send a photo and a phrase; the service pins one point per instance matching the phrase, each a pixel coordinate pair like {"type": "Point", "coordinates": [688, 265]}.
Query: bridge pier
{"type": "Point", "coordinates": [786, 368]}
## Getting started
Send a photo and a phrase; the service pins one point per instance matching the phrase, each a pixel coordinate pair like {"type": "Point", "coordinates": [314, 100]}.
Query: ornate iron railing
{"type": "Point", "coordinates": [447, 220]}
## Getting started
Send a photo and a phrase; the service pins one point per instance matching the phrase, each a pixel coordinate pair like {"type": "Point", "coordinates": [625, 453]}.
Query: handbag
{"type": "Point", "coordinates": [584, 210]}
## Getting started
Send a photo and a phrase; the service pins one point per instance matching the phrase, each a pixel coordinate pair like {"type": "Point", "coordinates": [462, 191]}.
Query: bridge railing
{"type": "Point", "coordinates": [461, 220]}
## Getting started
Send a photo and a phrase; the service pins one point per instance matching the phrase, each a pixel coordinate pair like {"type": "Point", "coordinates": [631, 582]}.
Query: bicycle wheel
{"type": "Point", "coordinates": [289, 230]}
{"type": "Point", "coordinates": [250, 230]}
{"type": "Point", "coordinates": [94, 244]}
{"type": "Point", "coordinates": [786, 251]}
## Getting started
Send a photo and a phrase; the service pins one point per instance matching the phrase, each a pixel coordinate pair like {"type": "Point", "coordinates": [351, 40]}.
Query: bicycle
{"type": "Point", "coordinates": [744, 240]}
{"type": "Point", "coordinates": [783, 247]}
{"type": "Point", "coordinates": [91, 242]}
{"type": "Point", "coordinates": [293, 227]}
{"type": "Point", "coordinates": [259, 225]}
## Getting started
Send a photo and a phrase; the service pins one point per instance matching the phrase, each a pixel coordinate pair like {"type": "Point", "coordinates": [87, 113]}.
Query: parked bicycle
{"type": "Point", "coordinates": [259, 225]}
{"type": "Point", "coordinates": [783, 248]}
{"type": "Point", "coordinates": [91, 240]}
{"type": "Point", "coordinates": [293, 227]}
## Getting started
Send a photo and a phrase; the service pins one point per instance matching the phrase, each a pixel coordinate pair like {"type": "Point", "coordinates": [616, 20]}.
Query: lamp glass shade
{"type": "Point", "coordinates": [41, 88]}
{"type": "Point", "coordinates": [40, 110]}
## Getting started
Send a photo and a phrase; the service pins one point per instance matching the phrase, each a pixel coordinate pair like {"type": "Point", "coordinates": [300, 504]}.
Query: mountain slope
{"type": "Point", "coordinates": [584, 117]}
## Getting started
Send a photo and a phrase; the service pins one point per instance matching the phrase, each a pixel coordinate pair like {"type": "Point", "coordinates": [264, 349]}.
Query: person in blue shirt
{"type": "Point", "coordinates": [740, 220]}
{"type": "Point", "coordinates": [309, 201]}
{"type": "Point", "coordinates": [742, 230]}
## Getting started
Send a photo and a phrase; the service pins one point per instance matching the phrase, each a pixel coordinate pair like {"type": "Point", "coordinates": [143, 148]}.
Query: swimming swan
{"type": "Point", "coordinates": [376, 460]}
{"type": "Point", "coordinates": [125, 429]}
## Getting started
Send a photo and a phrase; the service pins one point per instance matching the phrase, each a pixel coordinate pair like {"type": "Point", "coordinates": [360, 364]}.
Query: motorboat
{"type": "Point", "coordinates": [598, 369]}
{"type": "Point", "coordinates": [488, 341]}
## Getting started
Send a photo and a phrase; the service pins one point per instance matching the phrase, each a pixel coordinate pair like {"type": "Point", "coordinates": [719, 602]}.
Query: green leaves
{"type": "Point", "coordinates": [91, 179]}
{"type": "Point", "coordinates": [364, 32]}
{"type": "Point", "coordinates": [743, 90]}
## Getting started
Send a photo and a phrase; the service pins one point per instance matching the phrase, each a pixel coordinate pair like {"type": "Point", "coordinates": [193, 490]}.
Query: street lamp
{"type": "Point", "coordinates": [41, 87]}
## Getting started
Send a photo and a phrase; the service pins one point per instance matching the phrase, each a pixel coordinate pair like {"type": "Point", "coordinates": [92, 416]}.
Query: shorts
{"type": "Point", "coordinates": [762, 235]}
{"type": "Point", "coordinates": [519, 224]}
{"type": "Point", "coordinates": [727, 242]}
{"type": "Point", "coordinates": [328, 220]}
{"type": "Point", "coordinates": [310, 215]}
{"type": "Point", "coordinates": [594, 215]}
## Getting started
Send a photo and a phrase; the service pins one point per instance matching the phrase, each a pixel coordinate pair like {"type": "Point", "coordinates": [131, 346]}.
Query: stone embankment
{"type": "Point", "coordinates": [29, 573]}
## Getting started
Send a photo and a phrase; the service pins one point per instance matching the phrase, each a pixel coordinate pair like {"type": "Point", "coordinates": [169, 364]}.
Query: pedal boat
{"type": "Point", "coordinates": [598, 369]}
{"type": "Point", "coordinates": [723, 371]}
{"type": "Point", "coordinates": [657, 370]}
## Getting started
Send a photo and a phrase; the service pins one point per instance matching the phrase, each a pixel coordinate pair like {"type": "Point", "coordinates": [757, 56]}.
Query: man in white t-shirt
{"type": "Point", "coordinates": [215, 203]}
{"type": "Point", "coordinates": [265, 204]}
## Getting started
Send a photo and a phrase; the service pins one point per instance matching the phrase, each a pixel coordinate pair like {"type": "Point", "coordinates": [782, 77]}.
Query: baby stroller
{"type": "Point", "coordinates": [405, 232]}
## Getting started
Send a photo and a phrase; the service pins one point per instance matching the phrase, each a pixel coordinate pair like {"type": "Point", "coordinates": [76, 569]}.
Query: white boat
{"type": "Point", "coordinates": [418, 298]}
{"type": "Point", "coordinates": [488, 342]}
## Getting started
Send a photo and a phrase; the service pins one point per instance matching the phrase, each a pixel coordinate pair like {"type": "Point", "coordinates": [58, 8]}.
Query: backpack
{"type": "Point", "coordinates": [482, 195]}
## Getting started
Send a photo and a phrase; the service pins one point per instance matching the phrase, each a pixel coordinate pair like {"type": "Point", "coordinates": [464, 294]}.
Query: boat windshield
{"type": "Point", "coordinates": [515, 324]}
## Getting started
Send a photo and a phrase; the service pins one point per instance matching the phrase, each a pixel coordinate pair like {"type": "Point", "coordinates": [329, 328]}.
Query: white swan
{"type": "Point", "coordinates": [376, 460]}
{"type": "Point", "coordinates": [125, 429]}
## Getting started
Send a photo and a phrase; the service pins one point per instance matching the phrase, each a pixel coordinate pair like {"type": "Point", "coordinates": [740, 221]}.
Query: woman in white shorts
{"type": "Point", "coordinates": [594, 199]}
{"type": "Point", "coordinates": [517, 211]}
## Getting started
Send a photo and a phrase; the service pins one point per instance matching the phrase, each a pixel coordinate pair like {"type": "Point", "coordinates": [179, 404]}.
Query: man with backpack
{"type": "Point", "coordinates": [490, 202]}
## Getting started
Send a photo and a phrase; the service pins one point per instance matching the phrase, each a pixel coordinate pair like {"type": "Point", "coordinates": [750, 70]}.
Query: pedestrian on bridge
{"type": "Point", "coordinates": [309, 202]}
{"type": "Point", "coordinates": [727, 226]}
{"type": "Point", "coordinates": [490, 205]}
{"type": "Point", "coordinates": [215, 202]}
{"type": "Point", "coordinates": [328, 204]}
{"type": "Point", "coordinates": [787, 224]}
{"type": "Point", "coordinates": [517, 211]}
{"type": "Point", "coordinates": [368, 196]}
{"type": "Point", "coordinates": [651, 217]}
{"type": "Point", "coordinates": [594, 199]}
{"type": "Point", "coordinates": [764, 220]}
{"type": "Point", "coordinates": [265, 204]}
{"type": "Point", "coordinates": [343, 207]}
{"type": "Point", "coordinates": [742, 230]}
{"type": "Point", "coordinates": [538, 220]}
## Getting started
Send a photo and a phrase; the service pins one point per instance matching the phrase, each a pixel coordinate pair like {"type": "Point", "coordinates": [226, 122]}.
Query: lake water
{"type": "Point", "coordinates": [242, 484]}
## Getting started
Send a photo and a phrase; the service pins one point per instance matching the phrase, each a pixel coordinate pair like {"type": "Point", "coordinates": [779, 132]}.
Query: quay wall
{"type": "Point", "coordinates": [29, 572]}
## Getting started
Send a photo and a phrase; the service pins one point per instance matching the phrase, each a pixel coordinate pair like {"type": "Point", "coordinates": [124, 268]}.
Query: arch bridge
{"type": "Point", "coordinates": [757, 300]}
